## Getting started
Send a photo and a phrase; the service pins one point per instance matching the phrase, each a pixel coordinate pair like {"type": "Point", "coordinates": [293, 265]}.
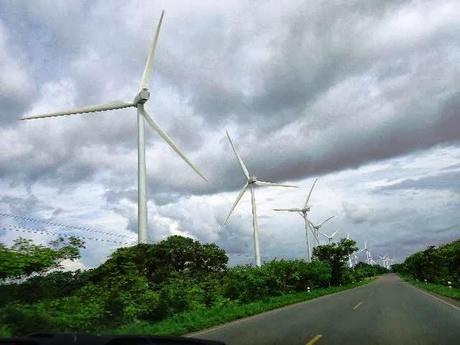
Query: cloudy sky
{"type": "Point", "coordinates": [364, 95]}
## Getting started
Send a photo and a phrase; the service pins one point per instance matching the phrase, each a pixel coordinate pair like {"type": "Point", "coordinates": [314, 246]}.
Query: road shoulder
{"type": "Point", "coordinates": [447, 300]}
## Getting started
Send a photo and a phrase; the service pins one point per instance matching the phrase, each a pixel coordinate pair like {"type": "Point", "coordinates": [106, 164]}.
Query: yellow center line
{"type": "Point", "coordinates": [314, 340]}
{"type": "Point", "coordinates": [357, 306]}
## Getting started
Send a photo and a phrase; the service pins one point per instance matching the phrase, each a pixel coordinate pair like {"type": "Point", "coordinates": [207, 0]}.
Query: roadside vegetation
{"type": "Point", "coordinates": [432, 269]}
{"type": "Point", "coordinates": [172, 287]}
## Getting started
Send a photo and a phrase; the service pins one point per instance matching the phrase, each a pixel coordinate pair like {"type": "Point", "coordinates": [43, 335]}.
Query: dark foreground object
{"type": "Point", "coordinates": [386, 311]}
{"type": "Point", "coordinates": [87, 339]}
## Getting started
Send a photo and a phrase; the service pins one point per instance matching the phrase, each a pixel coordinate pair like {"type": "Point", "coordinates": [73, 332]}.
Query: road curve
{"type": "Point", "coordinates": [386, 311]}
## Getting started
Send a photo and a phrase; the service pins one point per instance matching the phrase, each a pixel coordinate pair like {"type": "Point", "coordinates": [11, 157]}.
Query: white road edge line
{"type": "Point", "coordinates": [437, 298]}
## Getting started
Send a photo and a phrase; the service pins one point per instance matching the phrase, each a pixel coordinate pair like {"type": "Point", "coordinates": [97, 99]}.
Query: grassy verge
{"type": "Point", "coordinates": [205, 318]}
{"type": "Point", "coordinates": [436, 288]}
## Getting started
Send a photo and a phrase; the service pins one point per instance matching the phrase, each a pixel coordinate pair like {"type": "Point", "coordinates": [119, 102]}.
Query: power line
{"type": "Point", "coordinates": [64, 226]}
{"type": "Point", "coordinates": [44, 232]}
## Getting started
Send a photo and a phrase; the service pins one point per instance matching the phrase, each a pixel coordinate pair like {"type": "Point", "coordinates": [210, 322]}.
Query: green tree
{"type": "Point", "coordinates": [336, 254]}
{"type": "Point", "coordinates": [25, 258]}
{"type": "Point", "coordinates": [165, 260]}
{"type": "Point", "coordinates": [436, 265]}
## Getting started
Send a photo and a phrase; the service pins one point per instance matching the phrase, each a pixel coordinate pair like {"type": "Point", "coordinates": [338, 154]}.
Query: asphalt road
{"type": "Point", "coordinates": [386, 311]}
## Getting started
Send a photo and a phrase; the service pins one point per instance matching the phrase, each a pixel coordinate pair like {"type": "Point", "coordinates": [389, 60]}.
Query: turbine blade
{"type": "Point", "coordinates": [333, 234]}
{"type": "Point", "coordinates": [238, 198]}
{"type": "Point", "coordinates": [263, 183]}
{"type": "Point", "coordinates": [147, 75]}
{"type": "Point", "coordinates": [322, 233]}
{"type": "Point", "coordinates": [89, 109]}
{"type": "Point", "coordinates": [309, 194]}
{"type": "Point", "coordinates": [327, 220]}
{"type": "Point", "coordinates": [309, 222]}
{"type": "Point", "coordinates": [288, 209]}
{"type": "Point", "coordinates": [243, 166]}
{"type": "Point", "coordinates": [169, 141]}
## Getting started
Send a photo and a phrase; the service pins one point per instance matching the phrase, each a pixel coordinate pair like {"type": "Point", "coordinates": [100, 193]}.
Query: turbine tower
{"type": "Point", "coordinates": [350, 262]}
{"type": "Point", "coordinates": [303, 213]}
{"type": "Point", "coordinates": [251, 183]}
{"type": "Point", "coordinates": [138, 102]}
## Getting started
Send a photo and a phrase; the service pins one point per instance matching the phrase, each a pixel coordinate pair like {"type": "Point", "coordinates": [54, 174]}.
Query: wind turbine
{"type": "Point", "coordinates": [138, 102]}
{"type": "Point", "coordinates": [383, 260]}
{"type": "Point", "coordinates": [350, 262]}
{"type": "Point", "coordinates": [368, 253]}
{"type": "Point", "coordinates": [316, 228]}
{"type": "Point", "coordinates": [386, 261]}
{"type": "Point", "coordinates": [251, 183]}
{"type": "Point", "coordinates": [303, 213]}
{"type": "Point", "coordinates": [329, 237]}
{"type": "Point", "coordinates": [389, 262]}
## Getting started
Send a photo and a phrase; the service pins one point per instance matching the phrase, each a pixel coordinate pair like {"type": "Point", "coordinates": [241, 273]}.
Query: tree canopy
{"type": "Point", "coordinates": [24, 257]}
{"type": "Point", "coordinates": [336, 254]}
{"type": "Point", "coordinates": [158, 262]}
{"type": "Point", "coordinates": [436, 265]}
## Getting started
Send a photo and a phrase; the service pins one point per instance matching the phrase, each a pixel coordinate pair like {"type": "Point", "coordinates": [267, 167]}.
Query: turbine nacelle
{"type": "Point", "coordinates": [142, 97]}
{"type": "Point", "coordinates": [305, 209]}
{"type": "Point", "coordinates": [252, 180]}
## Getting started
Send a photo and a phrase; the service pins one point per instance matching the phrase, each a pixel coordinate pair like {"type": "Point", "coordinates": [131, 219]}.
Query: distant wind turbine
{"type": "Point", "coordinates": [138, 102]}
{"type": "Point", "coordinates": [316, 228]}
{"type": "Point", "coordinates": [386, 261]}
{"type": "Point", "coordinates": [251, 183]}
{"type": "Point", "coordinates": [329, 237]}
{"type": "Point", "coordinates": [368, 253]}
{"type": "Point", "coordinates": [350, 262]}
{"type": "Point", "coordinates": [303, 213]}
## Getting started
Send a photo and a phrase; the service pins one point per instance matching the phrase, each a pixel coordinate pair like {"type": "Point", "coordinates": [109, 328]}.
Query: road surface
{"type": "Point", "coordinates": [386, 311]}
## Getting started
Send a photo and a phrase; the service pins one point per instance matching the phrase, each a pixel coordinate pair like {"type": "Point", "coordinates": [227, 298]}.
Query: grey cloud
{"type": "Point", "coordinates": [20, 206]}
{"type": "Point", "coordinates": [308, 60]}
{"type": "Point", "coordinates": [357, 214]}
{"type": "Point", "coordinates": [448, 181]}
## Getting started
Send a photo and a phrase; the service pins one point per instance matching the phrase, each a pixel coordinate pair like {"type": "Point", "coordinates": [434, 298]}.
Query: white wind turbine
{"type": "Point", "coordinates": [251, 183]}
{"type": "Point", "coordinates": [350, 262]}
{"type": "Point", "coordinates": [383, 260]}
{"type": "Point", "coordinates": [138, 102]}
{"type": "Point", "coordinates": [386, 261]}
{"type": "Point", "coordinates": [368, 253]}
{"type": "Point", "coordinates": [389, 262]}
{"type": "Point", "coordinates": [303, 213]}
{"type": "Point", "coordinates": [316, 228]}
{"type": "Point", "coordinates": [329, 237]}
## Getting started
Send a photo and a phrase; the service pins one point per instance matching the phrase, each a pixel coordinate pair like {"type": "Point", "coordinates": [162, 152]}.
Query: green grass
{"type": "Point", "coordinates": [436, 288]}
{"type": "Point", "coordinates": [196, 320]}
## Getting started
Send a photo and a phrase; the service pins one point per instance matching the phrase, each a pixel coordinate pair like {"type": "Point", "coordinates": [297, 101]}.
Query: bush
{"type": "Point", "coordinates": [22, 320]}
{"type": "Point", "coordinates": [363, 270]}
{"type": "Point", "coordinates": [246, 283]}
